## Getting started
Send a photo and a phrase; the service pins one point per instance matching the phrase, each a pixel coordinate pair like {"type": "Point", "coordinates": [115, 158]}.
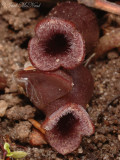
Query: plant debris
{"type": "Point", "coordinates": [103, 5]}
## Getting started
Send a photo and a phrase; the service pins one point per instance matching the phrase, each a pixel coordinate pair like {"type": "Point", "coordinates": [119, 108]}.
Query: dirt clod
{"type": "Point", "coordinates": [37, 138]}
{"type": "Point", "coordinates": [3, 107]}
{"type": "Point", "coordinates": [20, 113]}
{"type": "Point", "coordinates": [112, 55]}
{"type": "Point", "coordinates": [21, 131]}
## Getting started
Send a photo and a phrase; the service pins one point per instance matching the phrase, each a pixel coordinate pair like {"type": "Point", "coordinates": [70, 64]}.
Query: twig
{"type": "Point", "coordinates": [37, 125]}
{"type": "Point", "coordinates": [107, 42]}
{"type": "Point", "coordinates": [103, 5]}
{"type": "Point", "coordinates": [29, 68]}
{"type": "Point", "coordinates": [89, 59]}
{"type": "Point", "coordinates": [117, 97]}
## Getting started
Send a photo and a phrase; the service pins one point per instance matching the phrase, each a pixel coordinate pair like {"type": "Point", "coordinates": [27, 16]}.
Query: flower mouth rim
{"type": "Point", "coordinates": [75, 52]}
{"type": "Point", "coordinates": [77, 111]}
{"type": "Point", "coordinates": [62, 143]}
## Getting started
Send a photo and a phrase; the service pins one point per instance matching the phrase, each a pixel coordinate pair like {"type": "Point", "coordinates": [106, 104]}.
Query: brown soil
{"type": "Point", "coordinates": [16, 28]}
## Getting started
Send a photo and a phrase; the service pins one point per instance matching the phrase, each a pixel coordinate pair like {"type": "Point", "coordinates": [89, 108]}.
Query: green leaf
{"type": "Point", "coordinates": [7, 147]}
{"type": "Point", "coordinates": [15, 154]}
{"type": "Point", "coordinates": [9, 154]}
{"type": "Point", "coordinates": [18, 154]}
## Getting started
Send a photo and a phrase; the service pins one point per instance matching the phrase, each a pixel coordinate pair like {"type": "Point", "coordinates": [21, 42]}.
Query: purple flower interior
{"type": "Point", "coordinates": [66, 125]}
{"type": "Point", "coordinates": [57, 44]}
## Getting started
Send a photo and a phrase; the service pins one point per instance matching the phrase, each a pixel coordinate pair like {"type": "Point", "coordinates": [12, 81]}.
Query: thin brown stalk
{"type": "Point", "coordinates": [37, 125]}
{"type": "Point", "coordinates": [103, 5]}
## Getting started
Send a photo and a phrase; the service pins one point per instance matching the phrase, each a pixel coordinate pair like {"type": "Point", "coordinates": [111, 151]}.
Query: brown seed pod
{"type": "Point", "coordinates": [43, 87]}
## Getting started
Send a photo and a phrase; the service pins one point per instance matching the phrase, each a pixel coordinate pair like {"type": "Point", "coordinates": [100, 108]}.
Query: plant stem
{"type": "Point", "coordinates": [103, 5]}
{"type": "Point", "coordinates": [4, 152]}
{"type": "Point", "coordinates": [37, 125]}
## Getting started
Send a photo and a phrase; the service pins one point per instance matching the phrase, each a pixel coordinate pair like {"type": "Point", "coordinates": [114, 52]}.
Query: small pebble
{"type": "Point", "coordinates": [21, 131]}
{"type": "Point", "coordinates": [27, 64]}
{"type": "Point", "coordinates": [80, 150]}
{"type": "Point", "coordinates": [13, 87]}
{"type": "Point", "coordinates": [112, 55]}
{"type": "Point", "coordinates": [119, 137]}
{"type": "Point", "coordinates": [3, 107]}
{"type": "Point", "coordinates": [21, 113]}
